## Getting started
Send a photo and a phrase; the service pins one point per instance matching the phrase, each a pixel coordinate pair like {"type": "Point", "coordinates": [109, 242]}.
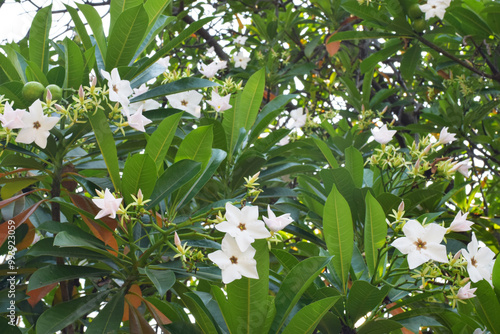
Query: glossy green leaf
{"type": "Point", "coordinates": [95, 23]}
{"type": "Point", "coordinates": [117, 7]}
{"type": "Point", "coordinates": [244, 109]}
{"type": "Point", "coordinates": [487, 306]}
{"type": "Point", "coordinates": [390, 48]}
{"type": "Point", "coordinates": [106, 143]}
{"type": "Point", "coordinates": [45, 247]}
{"type": "Point", "coordinates": [215, 160]}
{"type": "Point", "coordinates": [61, 315]}
{"type": "Point", "coordinates": [18, 61]}
{"type": "Point", "coordinates": [375, 232]}
{"type": "Point", "coordinates": [8, 68]}
{"type": "Point", "coordinates": [172, 179]}
{"type": "Point", "coordinates": [162, 279]}
{"type": "Point", "coordinates": [33, 73]}
{"type": "Point", "coordinates": [339, 235]}
{"type": "Point", "coordinates": [55, 273]}
{"type": "Point", "coordinates": [109, 318]}
{"type": "Point", "coordinates": [197, 145]}
{"type": "Point", "coordinates": [410, 61]}
{"type": "Point", "coordinates": [293, 287]}
{"type": "Point", "coordinates": [126, 36]}
{"type": "Point", "coordinates": [327, 152]}
{"type": "Point", "coordinates": [379, 326]}
{"type": "Point", "coordinates": [362, 298]}
{"type": "Point", "coordinates": [496, 277]}
{"type": "Point", "coordinates": [204, 319]}
{"type": "Point", "coordinates": [306, 320]}
{"type": "Point", "coordinates": [39, 38]}
{"type": "Point", "coordinates": [139, 172]}
{"type": "Point", "coordinates": [13, 92]}
{"type": "Point", "coordinates": [366, 12]}
{"type": "Point", "coordinates": [177, 86]}
{"type": "Point", "coordinates": [79, 27]}
{"type": "Point", "coordinates": [155, 8]}
{"type": "Point", "coordinates": [354, 164]}
{"type": "Point", "coordinates": [159, 142]}
{"type": "Point", "coordinates": [355, 35]}
{"type": "Point", "coordinates": [73, 65]}
{"type": "Point", "coordinates": [247, 297]}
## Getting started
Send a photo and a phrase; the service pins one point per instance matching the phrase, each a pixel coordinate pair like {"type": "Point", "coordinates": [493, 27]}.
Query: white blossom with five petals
{"type": "Point", "coordinates": [462, 167]}
{"type": "Point", "coordinates": [119, 90]}
{"type": "Point", "coordinates": [479, 261]}
{"type": "Point", "coordinates": [435, 8]}
{"type": "Point", "coordinates": [138, 120]}
{"type": "Point", "coordinates": [460, 223]}
{"type": "Point", "coordinates": [274, 223]}
{"type": "Point", "coordinates": [240, 60]}
{"type": "Point", "coordinates": [108, 204]}
{"type": "Point", "coordinates": [422, 243]}
{"type": "Point", "coordinates": [446, 137]}
{"type": "Point", "coordinates": [12, 119]}
{"type": "Point", "coordinates": [299, 118]}
{"type": "Point", "coordinates": [220, 103]}
{"type": "Point", "coordinates": [383, 135]}
{"type": "Point", "coordinates": [466, 292]}
{"type": "Point", "coordinates": [243, 225]}
{"type": "Point", "coordinates": [148, 104]}
{"type": "Point", "coordinates": [37, 126]}
{"type": "Point", "coordinates": [233, 262]}
{"type": "Point", "coordinates": [188, 101]}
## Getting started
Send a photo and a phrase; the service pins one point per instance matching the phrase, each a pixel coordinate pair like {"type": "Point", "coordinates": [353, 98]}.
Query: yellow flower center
{"type": "Point", "coordinates": [420, 244]}
{"type": "Point", "coordinates": [242, 227]}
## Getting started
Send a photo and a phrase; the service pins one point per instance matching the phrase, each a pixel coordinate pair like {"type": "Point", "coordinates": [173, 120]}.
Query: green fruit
{"type": "Point", "coordinates": [419, 25]}
{"type": "Point", "coordinates": [32, 90]}
{"type": "Point", "coordinates": [414, 11]}
{"type": "Point", "coordinates": [55, 90]}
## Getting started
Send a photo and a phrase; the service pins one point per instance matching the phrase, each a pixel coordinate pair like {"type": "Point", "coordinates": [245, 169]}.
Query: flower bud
{"type": "Point", "coordinates": [48, 98]}
{"type": "Point", "coordinates": [81, 93]}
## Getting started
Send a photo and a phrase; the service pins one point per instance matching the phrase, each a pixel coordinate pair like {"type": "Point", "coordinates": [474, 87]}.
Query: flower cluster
{"type": "Point", "coordinates": [242, 228]}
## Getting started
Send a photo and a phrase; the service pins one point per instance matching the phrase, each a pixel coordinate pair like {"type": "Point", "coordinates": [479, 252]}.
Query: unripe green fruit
{"type": "Point", "coordinates": [419, 25]}
{"type": "Point", "coordinates": [414, 11]}
{"type": "Point", "coordinates": [32, 91]}
{"type": "Point", "coordinates": [55, 90]}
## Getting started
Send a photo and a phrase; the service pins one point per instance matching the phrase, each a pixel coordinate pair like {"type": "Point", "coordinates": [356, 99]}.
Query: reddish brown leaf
{"type": "Point", "coordinates": [134, 298]}
{"type": "Point", "coordinates": [19, 219]}
{"type": "Point", "coordinates": [37, 294]}
{"type": "Point", "coordinates": [138, 324]}
{"type": "Point", "coordinates": [161, 319]}
{"type": "Point", "coordinates": [28, 238]}
{"type": "Point", "coordinates": [6, 202]}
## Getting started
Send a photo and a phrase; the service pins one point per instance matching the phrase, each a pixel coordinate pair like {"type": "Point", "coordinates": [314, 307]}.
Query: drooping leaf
{"type": "Point", "coordinates": [55, 273]}
{"type": "Point", "coordinates": [375, 232]}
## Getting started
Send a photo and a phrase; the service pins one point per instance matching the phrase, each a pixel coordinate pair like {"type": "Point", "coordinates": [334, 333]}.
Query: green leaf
{"type": "Point", "coordinates": [55, 273]}
{"type": "Point", "coordinates": [355, 35]}
{"type": "Point", "coordinates": [162, 279]}
{"type": "Point", "coordinates": [375, 232]}
{"type": "Point", "coordinates": [339, 235]}
{"type": "Point", "coordinates": [95, 23]}
{"type": "Point", "coordinates": [197, 145]}
{"type": "Point", "coordinates": [268, 114]}
{"type": "Point", "coordinates": [13, 91]}
{"type": "Point", "coordinates": [487, 306]}
{"type": "Point", "coordinates": [8, 68]}
{"type": "Point", "coordinates": [327, 152]}
{"type": "Point", "coordinates": [354, 164]}
{"type": "Point", "coordinates": [478, 114]}
{"type": "Point", "coordinates": [117, 7]}
{"type": "Point", "coordinates": [410, 61]}
{"type": "Point", "coordinates": [106, 143]}
{"type": "Point", "coordinates": [293, 287]}
{"type": "Point", "coordinates": [79, 27]}
{"type": "Point", "coordinates": [39, 38]}
{"type": "Point", "coordinates": [215, 160]}
{"type": "Point", "coordinates": [74, 65]}
{"type": "Point", "coordinates": [178, 86]}
{"type": "Point", "coordinates": [247, 297]}
{"type": "Point", "coordinates": [17, 61]}
{"type": "Point", "coordinates": [496, 277]}
{"type": "Point", "coordinates": [159, 142]}
{"type": "Point", "coordinates": [155, 8]}
{"type": "Point", "coordinates": [109, 318]}
{"type": "Point", "coordinates": [33, 73]}
{"type": "Point", "coordinates": [470, 22]}
{"type": "Point", "coordinates": [306, 320]}
{"type": "Point", "coordinates": [379, 326]}
{"type": "Point", "coordinates": [45, 247]}
{"type": "Point", "coordinates": [200, 312]}
{"type": "Point", "coordinates": [61, 315]}
{"type": "Point", "coordinates": [187, 32]}
{"type": "Point", "coordinates": [390, 48]}
{"type": "Point", "coordinates": [126, 37]}
{"type": "Point", "coordinates": [367, 13]}
{"type": "Point", "coordinates": [244, 109]}
{"type": "Point", "coordinates": [363, 298]}
{"type": "Point", "coordinates": [172, 179]}
{"type": "Point", "coordinates": [139, 172]}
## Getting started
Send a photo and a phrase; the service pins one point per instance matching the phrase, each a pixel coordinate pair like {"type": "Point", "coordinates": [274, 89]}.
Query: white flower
{"type": "Point", "coordinates": [37, 126]}
{"type": "Point", "coordinates": [149, 104]}
{"type": "Point", "coordinates": [221, 64]}
{"type": "Point", "coordinates": [243, 225]}
{"type": "Point", "coordinates": [138, 121]}
{"type": "Point", "coordinates": [12, 119]}
{"type": "Point", "coordinates": [274, 223]}
{"type": "Point", "coordinates": [479, 331]}
{"type": "Point", "coordinates": [164, 62]}
{"type": "Point", "coordinates": [188, 101]}
{"type": "Point", "coordinates": [479, 261]}
{"type": "Point", "coordinates": [284, 141]}
{"type": "Point", "coordinates": [383, 135]}
{"type": "Point", "coordinates": [107, 203]}
{"type": "Point", "coordinates": [435, 8]}
{"type": "Point", "coordinates": [466, 292]}
{"type": "Point", "coordinates": [240, 60]}
{"type": "Point", "coordinates": [422, 243]}
{"type": "Point", "coordinates": [119, 90]}
{"type": "Point", "coordinates": [460, 224]}
{"type": "Point", "coordinates": [211, 50]}
{"type": "Point", "coordinates": [240, 40]}
{"type": "Point", "coordinates": [209, 70]}
{"type": "Point", "coordinates": [445, 137]}
{"type": "Point", "coordinates": [299, 118]}
{"type": "Point", "coordinates": [233, 262]}
{"type": "Point", "coordinates": [220, 103]}
{"type": "Point", "coordinates": [462, 167]}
